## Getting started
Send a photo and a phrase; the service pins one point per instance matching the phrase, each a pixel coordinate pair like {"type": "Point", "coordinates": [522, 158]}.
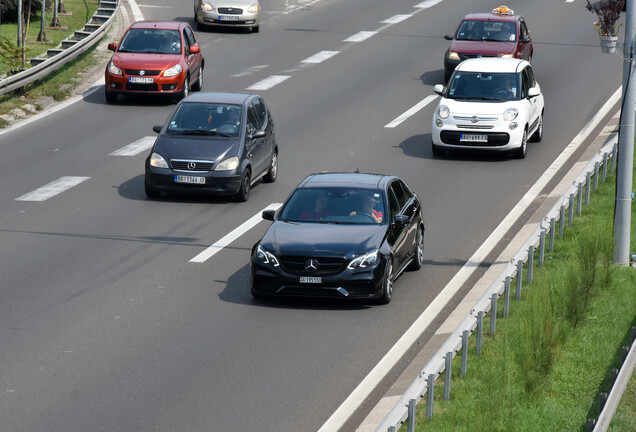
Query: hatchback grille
{"type": "Point", "coordinates": [146, 72]}
{"type": "Point", "coordinates": [190, 166]}
{"type": "Point", "coordinates": [324, 265]}
{"type": "Point", "coordinates": [474, 126]}
{"type": "Point", "coordinates": [230, 11]}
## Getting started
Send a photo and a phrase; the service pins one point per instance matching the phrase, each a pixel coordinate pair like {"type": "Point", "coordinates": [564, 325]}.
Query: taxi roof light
{"type": "Point", "coordinates": [503, 10]}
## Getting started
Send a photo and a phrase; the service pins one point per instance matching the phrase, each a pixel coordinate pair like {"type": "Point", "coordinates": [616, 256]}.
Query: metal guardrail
{"type": "Point", "coordinates": [70, 48]}
{"type": "Point", "coordinates": [419, 388]}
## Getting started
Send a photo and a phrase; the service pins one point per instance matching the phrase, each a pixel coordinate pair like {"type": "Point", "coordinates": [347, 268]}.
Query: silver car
{"type": "Point", "coordinates": [227, 13]}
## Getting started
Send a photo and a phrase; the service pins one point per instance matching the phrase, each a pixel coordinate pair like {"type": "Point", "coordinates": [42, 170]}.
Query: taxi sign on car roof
{"type": "Point", "coordinates": [503, 10]}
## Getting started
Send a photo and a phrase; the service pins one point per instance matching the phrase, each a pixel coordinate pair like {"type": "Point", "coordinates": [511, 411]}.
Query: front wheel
{"type": "Point", "coordinates": [244, 191]}
{"type": "Point", "coordinates": [437, 150]}
{"type": "Point", "coordinates": [110, 96]}
{"type": "Point", "coordinates": [151, 193]}
{"type": "Point", "coordinates": [256, 29]}
{"type": "Point", "coordinates": [387, 284]}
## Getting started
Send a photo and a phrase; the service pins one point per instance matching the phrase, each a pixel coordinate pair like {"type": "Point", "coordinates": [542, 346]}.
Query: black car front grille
{"type": "Point", "coordinates": [185, 165]}
{"type": "Point", "coordinates": [146, 72]}
{"type": "Point", "coordinates": [324, 265]}
{"type": "Point", "coordinates": [495, 139]}
{"type": "Point", "coordinates": [141, 87]}
{"type": "Point", "coordinates": [230, 11]}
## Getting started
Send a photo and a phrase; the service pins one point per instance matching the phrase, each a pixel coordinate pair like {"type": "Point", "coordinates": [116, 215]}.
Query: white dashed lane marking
{"type": "Point", "coordinates": [320, 57]}
{"type": "Point", "coordinates": [396, 19]}
{"type": "Point", "coordinates": [269, 82]}
{"type": "Point", "coordinates": [411, 111]}
{"type": "Point", "coordinates": [360, 36]}
{"type": "Point", "coordinates": [135, 148]}
{"type": "Point", "coordinates": [52, 189]}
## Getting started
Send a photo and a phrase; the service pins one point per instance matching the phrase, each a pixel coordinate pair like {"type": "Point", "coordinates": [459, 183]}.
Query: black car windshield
{"type": "Point", "coordinates": [335, 205]}
{"type": "Point", "coordinates": [492, 31]}
{"type": "Point", "coordinates": [484, 86]}
{"type": "Point", "coordinates": [151, 41]}
{"type": "Point", "coordinates": [212, 119]}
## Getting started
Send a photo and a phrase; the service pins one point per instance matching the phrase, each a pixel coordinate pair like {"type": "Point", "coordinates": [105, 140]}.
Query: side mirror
{"type": "Point", "coordinates": [257, 134]}
{"type": "Point", "coordinates": [439, 89]}
{"type": "Point", "coordinates": [156, 129]}
{"type": "Point", "coordinates": [525, 40]}
{"type": "Point", "coordinates": [112, 46]}
{"type": "Point", "coordinates": [268, 214]}
{"type": "Point", "coordinates": [534, 91]}
{"type": "Point", "coordinates": [448, 37]}
{"type": "Point", "coordinates": [194, 49]}
{"type": "Point", "coordinates": [401, 220]}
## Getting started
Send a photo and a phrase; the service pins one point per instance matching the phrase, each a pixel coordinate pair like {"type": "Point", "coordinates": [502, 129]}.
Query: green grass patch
{"type": "Point", "coordinates": [544, 368]}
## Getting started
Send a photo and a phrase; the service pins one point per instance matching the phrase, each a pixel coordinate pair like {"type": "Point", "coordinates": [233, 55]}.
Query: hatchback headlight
{"type": "Point", "coordinates": [265, 257]}
{"type": "Point", "coordinates": [253, 8]}
{"type": "Point", "coordinates": [510, 114]}
{"type": "Point", "coordinates": [173, 71]}
{"type": "Point", "coordinates": [453, 55]}
{"type": "Point", "coordinates": [364, 261]}
{"type": "Point", "coordinates": [156, 160]}
{"type": "Point", "coordinates": [114, 70]}
{"type": "Point", "coordinates": [506, 56]}
{"type": "Point", "coordinates": [228, 164]}
{"type": "Point", "coordinates": [443, 112]}
{"type": "Point", "coordinates": [207, 7]}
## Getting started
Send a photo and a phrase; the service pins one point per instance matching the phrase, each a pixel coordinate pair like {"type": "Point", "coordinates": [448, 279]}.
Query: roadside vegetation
{"type": "Point", "coordinates": [546, 364]}
{"type": "Point", "coordinates": [60, 84]}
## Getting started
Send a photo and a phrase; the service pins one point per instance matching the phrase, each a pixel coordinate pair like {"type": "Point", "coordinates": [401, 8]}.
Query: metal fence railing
{"type": "Point", "coordinates": [69, 49]}
{"type": "Point", "coordinates": [423, 385]}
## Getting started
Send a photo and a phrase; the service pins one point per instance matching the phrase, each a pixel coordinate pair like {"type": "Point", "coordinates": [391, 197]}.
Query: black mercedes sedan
{"type": "Point", "coordinates": [340, 235]}
{"type": "Point", "coordinates": [217, 143]}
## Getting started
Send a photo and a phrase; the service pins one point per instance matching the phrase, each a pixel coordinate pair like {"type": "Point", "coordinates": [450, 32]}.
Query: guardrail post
{"type": "Point", "coordinates": [551, 245]}
{"type": "Point", "coordinates": [411, 426]}
{"type": "Point", "coordinates": [579, 199]}
{"type": "Point", "coordinates": [596, 170]}
{"type": "Point", "coordinates": [588, 182]}
{"type": "Point", "coordinates": [519, 274]}
{"type": "Point", "coordinates": [614, 147]}
{"type": "Point", "coordinates": [506, 297]}
{"type": "Point", "coordinates": [391, 429]}
{"type": "Point", "coordinates": [561, 220]}
{"type": "Point", "coordinates": [480, 331]}
{"type": "Point", "coordinates": [604, 167]}
{"type": "Point", "coordinates": [571, 210]}
{"type": "Point", "coordinates": [448, 372]}
{"type": "Point", "coordinates": [429, 396]}
{"type": "Point", "coordinates": [602, 401]}
{"type": "Point", "coordinates": [464, 364]}
{"type": "Point", "coordinates": [613, 376]}
{"type": "Point", "coordinates": [541, 248]}
{"type": "Point", "coordinates": [493, 313]}
{"type": "Point", "coordinates": [530, 263]}
{"type": "Point", "coordinates": [591, 424]}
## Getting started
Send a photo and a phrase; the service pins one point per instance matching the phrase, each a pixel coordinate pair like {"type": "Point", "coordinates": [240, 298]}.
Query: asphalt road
{"type": "Point", "coordinates": [107, 325]}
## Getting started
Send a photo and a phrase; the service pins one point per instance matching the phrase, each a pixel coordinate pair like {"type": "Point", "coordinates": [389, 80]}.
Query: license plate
{"type": "Point", "coordinates": [311, 279]}
{"type": "Point", "coordinates": [473, 138]}
{"type": "Point", "coordinates": [228, 18]}
{"type": "Point", "coordinates": [189, 179]}
{"type": "Point", "coordinates": [141, 80]}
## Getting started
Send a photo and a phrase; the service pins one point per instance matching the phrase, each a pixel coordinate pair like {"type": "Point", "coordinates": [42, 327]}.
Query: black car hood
{"type": "Point", "coordinates": [306, 238]}
{"type": "Point", "coordinates": [196, 147]}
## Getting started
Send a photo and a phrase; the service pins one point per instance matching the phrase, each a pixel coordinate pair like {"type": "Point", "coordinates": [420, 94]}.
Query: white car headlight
{"type": "Point", "coordinates": [228, 164]}
{"type": "Point", "coordinates": [510, 114]}
{"type": "Point", "coordinates": [506, 56]}
{"type": "Point", "coordinates": [114, 69]}
{"type": "Point", "coordinates": [265, 257]}
{"type": "Point", "coordinates": [365, 260]}
{"type": "Point", "coordinates": [453, 55]}
{"type": "Point", "coordinates": [173, 71]}
{"type": "Point", "coordinates": [207, 7]}
{"type": "Point", "coordinates": [253, 8]}
{"type": "Point", "coordinates": [443, 112]}
{"type": "Point", "coordinates": [156, 160]}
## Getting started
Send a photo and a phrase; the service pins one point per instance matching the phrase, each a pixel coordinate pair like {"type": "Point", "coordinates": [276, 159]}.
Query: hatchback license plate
{"type": "Point", "coordinates": [142, 80]}
{"type": "Point", "coordinates": [228, 18]}
{"type": "Point", "coordinates": [189, 179]}
{"type": "Point", "coordinates": [311, 279]}
{"type": "Point", "coordinates": [473, 138]}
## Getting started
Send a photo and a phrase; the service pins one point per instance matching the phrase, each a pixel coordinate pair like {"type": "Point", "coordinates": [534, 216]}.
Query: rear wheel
{"type": "Point", "coordinates": [244, 191]}
{"type": "Point", "coordinates": [271, 175]}
{"type": "Point", "coordinates": [418, 254]}
{"type": "Point", "coordinates": [387, 285]}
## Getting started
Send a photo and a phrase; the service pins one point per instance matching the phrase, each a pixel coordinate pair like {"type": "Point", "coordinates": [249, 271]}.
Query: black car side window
{"type": "Point", "coordinates": [190, 36]}
{"type": "Point", "coordinates": [400, 194]}
{"type": "Point", "coordinates": [394, 206]}
{"type": "Point", "coordinates": [259, 109]}
{"type": "Point", "coordinates": [252, 122]}
{"type": "Point", "coordinates": [524, 30]}
{"type": "Point", "coordinates": [186, 45]}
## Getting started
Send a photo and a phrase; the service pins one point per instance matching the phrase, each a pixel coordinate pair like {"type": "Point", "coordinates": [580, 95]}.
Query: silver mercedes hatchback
{"type": "Point", "coordinates": [227, 13]}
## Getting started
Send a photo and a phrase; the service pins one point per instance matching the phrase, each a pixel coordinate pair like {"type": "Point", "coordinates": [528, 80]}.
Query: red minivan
{"type": "Point", "coordinates": [155, 57]}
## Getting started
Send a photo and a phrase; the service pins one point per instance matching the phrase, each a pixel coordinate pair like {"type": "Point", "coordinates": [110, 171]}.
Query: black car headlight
{"type": "Point", "coordinates": [364, 261]}
{"type": "Point", "coordinates": [265, 257]}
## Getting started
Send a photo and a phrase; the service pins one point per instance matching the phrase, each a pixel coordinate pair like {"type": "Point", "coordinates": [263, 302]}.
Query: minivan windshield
{"type": "Point", "coordinates": [484, 86]}
{"type": "Point", "coordinates": [214, 119]}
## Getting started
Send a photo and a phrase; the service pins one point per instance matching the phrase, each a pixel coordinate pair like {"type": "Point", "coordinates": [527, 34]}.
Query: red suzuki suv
{"type": "Point", "coordinates": [500, 33]}
{"type": "Point", "coordinates": [155, 57]}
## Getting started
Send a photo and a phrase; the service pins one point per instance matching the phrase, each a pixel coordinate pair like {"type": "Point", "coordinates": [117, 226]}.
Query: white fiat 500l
{"type": "Point", "coordinates": [490, 104]}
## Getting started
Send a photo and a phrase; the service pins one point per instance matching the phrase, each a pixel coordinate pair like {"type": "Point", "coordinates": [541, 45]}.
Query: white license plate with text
{"type": "Point", "coordinates": [473, 138]}
{"type": "Point", "coordinates": [311, 279]}
{"type": "Point", "coordinates": [189, 179]}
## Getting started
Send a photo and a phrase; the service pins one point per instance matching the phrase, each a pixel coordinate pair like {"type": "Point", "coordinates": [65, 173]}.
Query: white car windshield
{"type": "Point", "coordinates": [484, 86]}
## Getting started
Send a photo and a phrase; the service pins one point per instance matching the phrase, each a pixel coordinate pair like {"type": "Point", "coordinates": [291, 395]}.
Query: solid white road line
{"type": "Point", "coordinates": [360, 36]}
{"type": "Point", "coordinates": [411, 111]}
{"type": "Point", "coordinates": [395, 19]}
{"type": "Point", "coordinates": [269, 82]}
{"type": "Point", "coordinates": [246, 226]}
{"type": "Point", "coordinates": [54, 188]}
{"type": "Point", "coordinates": [320, 57]}
{"type": "Point", "coordinates": [390, 359]}
{"type": "Point", "coordinates": [135, 148]}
